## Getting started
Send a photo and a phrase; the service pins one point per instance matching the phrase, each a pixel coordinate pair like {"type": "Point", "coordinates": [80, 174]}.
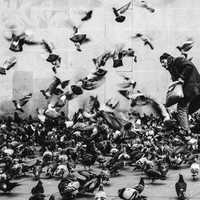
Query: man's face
{"type": "Point", "coordinates": [164, 63]}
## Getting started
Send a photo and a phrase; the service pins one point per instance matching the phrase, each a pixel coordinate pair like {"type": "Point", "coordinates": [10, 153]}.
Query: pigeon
{"type": "Point", "coordinates": [186, 46]}
{"type": "Point", "coordinates": [119, 53]}
{"type": "Point", "coordinates": [117, 12]}
{"type": "Point", "coordinates": [128, 92]}
{"type": "Point", "coordinates": [51, 112]}
{"type": "Point", "coordinates": [92, 84]}
{"type": "Point", "coordinates": [127, 83]}
{"type": "Point", "coordinates": [143, 4]}
{"type": "Point", "coordinates": [52, 89]}
{"type": "Point", "coordinates": [102, 59]}
{"type": "Point", "coordinates": [7, 186]}
{"type": "Point", "coordinates": [77, 38]}
{"type": "Point", "coordinates": [88, 15]}
{"type": "Point", "coordinates": [140, 186]}
{"type": "Point", "coordinates": [8, 64]}
{"type": "Point", "coordinates": [145, 39]}
{"type": "Point", "coordinates": [129, 193]}
{"type": "Point", "coordinates": [18, 41]}
{"type": "Point", "coordinates": [195, 170]}
{"type": "Point", "coordinates": [61, 101]}
{"type": "Point", "coordinates": [38, 189]}
{"type": "Point", "coordinates": [21, 102]}
{"type": "Point", "coordinates": [181, 187]}
{"type": "Point", "coordinates": [52, 197]}
{"type": "Point", "coordinates": [117, 59]}
{"type": "Point", "coordinates": [40, 114]}
{"type": "Point", "coordinates": [100, 195]}
{"type": "Point", "coordinates": [52, 58]}
{"type": "Point", "coordinates": [129, 53]}
{"type": "Point", "coordinates": [112, 103]}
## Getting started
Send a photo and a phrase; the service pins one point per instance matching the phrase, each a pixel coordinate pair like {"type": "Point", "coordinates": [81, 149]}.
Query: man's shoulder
{"type": "Point", "coordinates": [182, 61]}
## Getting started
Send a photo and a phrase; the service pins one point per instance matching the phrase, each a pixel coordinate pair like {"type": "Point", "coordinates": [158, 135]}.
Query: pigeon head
{"type": "Point", "coordinates": [181, 178]}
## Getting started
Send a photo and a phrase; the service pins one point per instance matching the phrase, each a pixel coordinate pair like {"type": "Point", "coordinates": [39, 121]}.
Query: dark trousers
{"type": "Point", "coordinates": [182, 111]}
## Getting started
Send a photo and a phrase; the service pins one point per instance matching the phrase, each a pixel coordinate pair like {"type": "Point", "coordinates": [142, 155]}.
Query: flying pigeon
{"type": "Point", "coordinates": [128, 82]}
{"type": "Point", "coordinates": [51, 112]}
{"type": "Point", "coordinates": [21, 102]}
{"type": "Point", "coordinates": [102, 59]}
{"type": "Point", "coordinates": [8, 64]}
{"type": "Point", "coordinates": [185, 47]}
{"type": "Point", "coordinates": [87, 16]}
{"type": "Point", "coordinates": [143, 4]}
{"type": "Point", "coordinates": [52, 89]}
{"type": "Point", "coordinates": [112, 103]}
{"type": "Point", "coordinates": [94, 79]}
{"type": "Point", "coordinates": [77, 38]}
{"type": "Point", "coordinates": [52, 58]}
{"type": "Point", "coordinates": [40, 114]}
{"type": "Point", "coordinates": [18, 40]}
{"type": "Point", "coordinates": [145, 39]}
{"type": "Point", "coordinates": [118, 17]}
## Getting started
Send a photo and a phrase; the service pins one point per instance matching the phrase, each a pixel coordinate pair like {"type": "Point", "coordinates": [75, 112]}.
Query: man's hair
{"type": "Point", "coordinates": [165, 56]}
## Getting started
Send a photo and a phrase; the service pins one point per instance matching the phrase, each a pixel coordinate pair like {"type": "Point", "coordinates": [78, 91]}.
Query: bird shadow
{"type": "Point", "coordinates": [13, 194]}
{"type": "Point", "coordinates": [156, 183]}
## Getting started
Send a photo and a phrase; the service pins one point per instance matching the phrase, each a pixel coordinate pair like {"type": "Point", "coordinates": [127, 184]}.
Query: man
{"type": "Point", "coordinates": [185, 72]}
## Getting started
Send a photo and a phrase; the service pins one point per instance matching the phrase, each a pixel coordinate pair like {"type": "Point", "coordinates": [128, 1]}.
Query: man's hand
{"type": "Point", "coordinates": [180, 80]}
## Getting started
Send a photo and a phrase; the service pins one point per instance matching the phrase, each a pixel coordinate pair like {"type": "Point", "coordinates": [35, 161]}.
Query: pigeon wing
{"type": "Point", "coordinates": [124, 8]}
{"type": "Point", "coordinates": [25, 99]}
{"type": "Point", "coordinates": [54, 85]}
{"type": "Point", "coordinates": [47, 47]}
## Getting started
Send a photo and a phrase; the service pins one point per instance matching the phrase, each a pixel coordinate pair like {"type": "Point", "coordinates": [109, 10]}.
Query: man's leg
{"type": "Point", "coordinates": [182, 110]}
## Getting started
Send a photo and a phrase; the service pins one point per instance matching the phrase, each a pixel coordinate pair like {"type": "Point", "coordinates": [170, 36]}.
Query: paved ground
{"type": "Point", "coordinates": [161, 190]}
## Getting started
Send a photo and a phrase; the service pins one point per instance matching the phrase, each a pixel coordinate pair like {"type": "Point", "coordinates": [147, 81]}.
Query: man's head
{"type": "Point", "coordinates": [165, 60]}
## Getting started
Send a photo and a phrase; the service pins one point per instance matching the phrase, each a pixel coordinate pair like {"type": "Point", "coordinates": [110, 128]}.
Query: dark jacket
{"type": "Point", "coordinates": [185, 69]}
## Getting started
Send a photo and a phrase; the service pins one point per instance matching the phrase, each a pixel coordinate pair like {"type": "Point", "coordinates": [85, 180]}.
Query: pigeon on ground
{"type": "Point", "coordinates": [181, 187]}
{"type": "Point", "coordinates": [101, 194]}
{"type": "Point", "coordinates": [195, 168]}
{"type": "Point", "coordinates": [7, 186]}
{"type": "Point", "coordinates": [38, 189]}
